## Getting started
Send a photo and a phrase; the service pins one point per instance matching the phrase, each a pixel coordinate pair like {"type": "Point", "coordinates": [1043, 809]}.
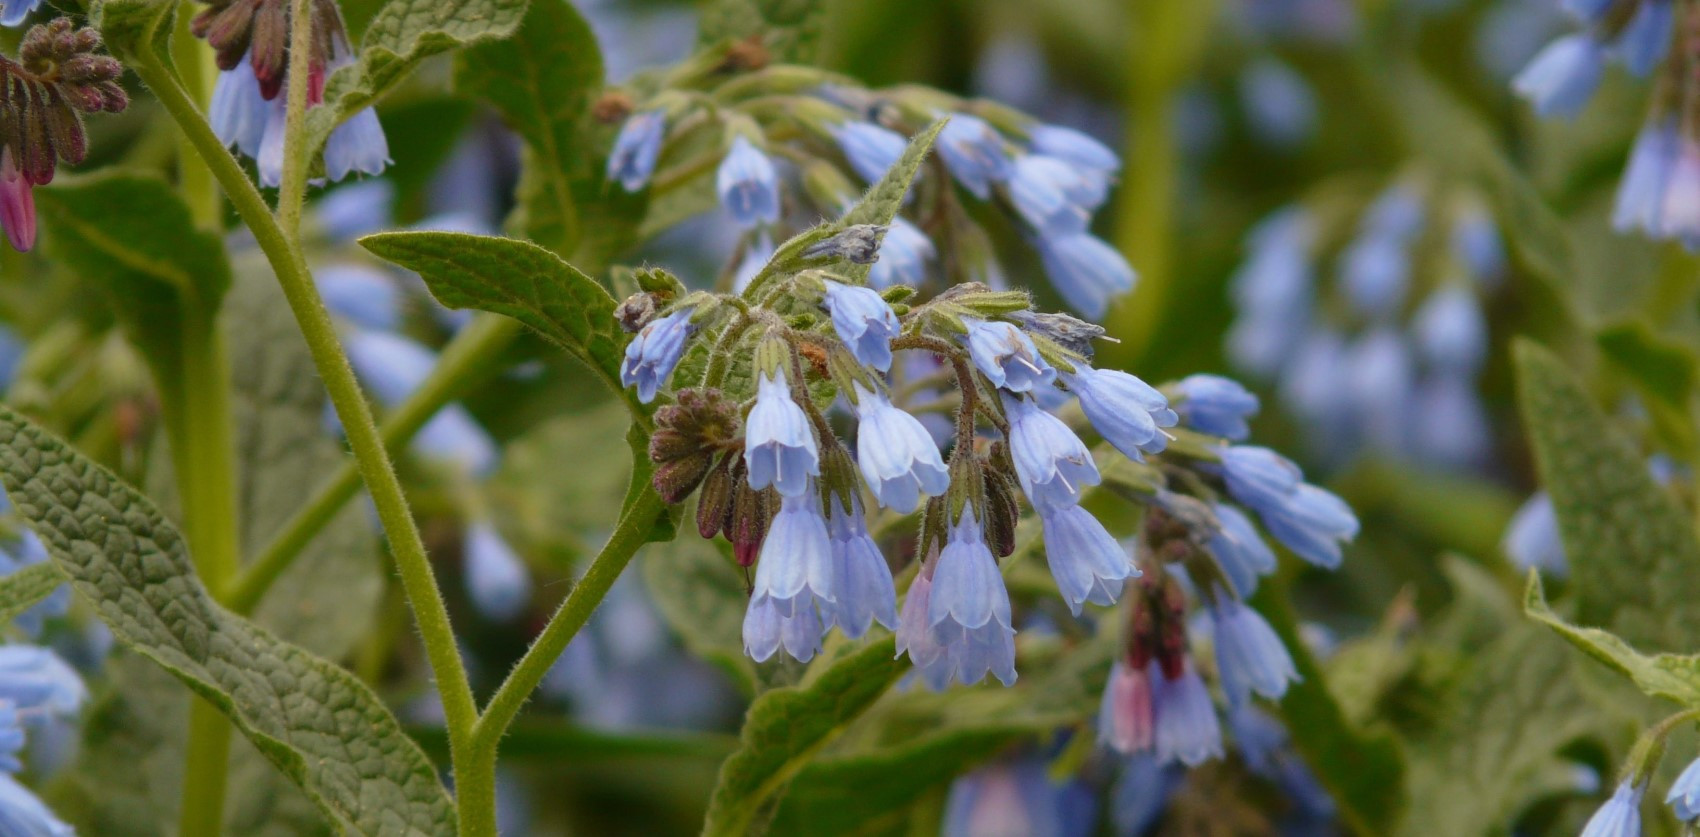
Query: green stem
{"type": "Point", "coordinates": [474, 350]}
{"type": "Point", "coordinates": [292, 190]}
{"type": "Point", "coordinates": [194, 68]}
{"type": "Point", "coordinates": [288, 262]}
{"type": "Point", "coordinates": [205, 770]}
{"type": "Point", "coordinates": [475, 776]}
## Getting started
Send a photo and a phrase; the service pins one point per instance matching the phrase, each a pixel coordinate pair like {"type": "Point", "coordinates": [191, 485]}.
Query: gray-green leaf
{"type": "Point", "coordinates": [1671, 676]}
{"type": "Point", "coordinates": [21, 589]}
{"type": "Point", "coordinates": [318, 724]}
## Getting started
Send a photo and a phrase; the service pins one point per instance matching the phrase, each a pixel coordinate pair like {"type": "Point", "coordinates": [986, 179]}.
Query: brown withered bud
{"type": "Point", "coordinates": [635, 312]}
{"type": "Point", "coordinates": [57, 75]}
{"type": "Point", "coordinates": [1003, 511]}
{"type": "Point", "coordinates": [714, 505]}
{"type": "Point", "coordinates": [697, 420]}
{"type": "Point", "coordinates": [746, 55]}
{"type": "Point", "coordinates": [613, 106]}
{"type": "Point", "coordinates": [1142, 623]}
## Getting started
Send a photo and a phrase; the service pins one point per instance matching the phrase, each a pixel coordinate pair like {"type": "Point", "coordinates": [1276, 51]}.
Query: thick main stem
{"type": "Point", "coordinates": [287, 261]}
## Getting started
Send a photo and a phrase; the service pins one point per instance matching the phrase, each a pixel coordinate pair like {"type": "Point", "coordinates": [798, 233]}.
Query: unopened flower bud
{"type": "Point", "coordinates": [1002, 509]}
{"type": "Point", "coordinates": [635, 312]}
{"type": "Point", "coordinates": [698, 422]}
{"type": "Point", "coordinates": [857, 243]}
{"type": "Point", "coordinates": [752, 510]}
{"type": "Point", "coordinates": [714, 505]}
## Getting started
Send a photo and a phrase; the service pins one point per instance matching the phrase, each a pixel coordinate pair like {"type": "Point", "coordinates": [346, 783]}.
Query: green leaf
{"type": "Point", "coordinates": [1671, 676]}
{"type": "Point", "coordinates": [1663, 372]}
{"type": "Point", "coordinates": [398, 38]}
{"type": "Point", "coordinates": [317, 724]}
{"type": "Point", "coordinates": [127, 26]}
{"type": "Point", "coordinates": [542, 80]}
{"type": "Point", "coordinates": [786, 727]}
{"type": "Point", "coordinates": [699, 590]}
{"type": "Point", "coordinates": [516, 279]}
{"type": "Point", "coordinates": [790, 29]}
{"type": "Point", "coordinates": [21, 589]}
{"type": "Point", "coordinates": [1633, 554]}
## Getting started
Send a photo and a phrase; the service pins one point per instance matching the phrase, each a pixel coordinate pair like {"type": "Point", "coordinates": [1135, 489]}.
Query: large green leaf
{"type": "Point", "coordinates": [318, 724]}
{"type": "Point", "coordinates": [402, 34]}
{"type": "Point", "coordinates": [1670, 676]}
{"type": "Point", "coordinates": [786, 727]}
{"type": "Point", "coordinates": [790, 29]}
{"type": "Point", "coordinates": [515, 279]}
{"type": "Point", "coordinates": [130, 25]}
{"type": "Point", "coordinates": [542, 80]}
{"type": "Point", "coordinates": [21, 589]}
{"type": "Point", "coordinates": [1633, 554]}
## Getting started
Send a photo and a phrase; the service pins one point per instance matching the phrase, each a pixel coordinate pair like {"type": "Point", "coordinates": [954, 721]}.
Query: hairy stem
{"type": "Point", "coordinates": [292, 190]}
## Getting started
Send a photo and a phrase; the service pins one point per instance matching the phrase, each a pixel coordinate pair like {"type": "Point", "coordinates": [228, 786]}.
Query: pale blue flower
{"type": "Point", "coordinates": [22, 814]}
{"type": "Point", "coordinates": [1375, 271]}
{"type": "Point", "coordinates": [748, 185]}
{"type": "Point", "coordinates": [1216, 405]}
{"type": "Point", "coordinates": [1186, 727]}
{"type": "Point", "coordinates": [13, 12]}
{"type": "Point", "coordinates": [1449, 425]}
{"type": "Point", "coordinates": [1006, 355]}
{"type": "Point", "coordinates": [1586, 11]}
{"type": "Point", "coordinates": [898, 457]}
{"type": "Point", "coordinates": [779, 445]}
{"type": "Point", "coordinates": [1477, 245]}
{"type": "Point", "coordinates": [1450, 330]}
{"type": "Point", "coordinates": [903, 257]}
{"type": "Point", "coordinates": [1249, 656]}
{"type": "Point", "coordinates": [496, 578]}
{"type": "Point", "coordinates": [1129, 413]}
{"type": "Point", "coordinates": [1088, 564]}
{"type": "Point", "coordinates": [365, 296]}
{"type": "Point", "coordinates": [864, 322]}
{"type": "Point", "coordinates": [392, 367]}
{"type": "Point", "coordinates": [1684, 796]}
{"type": "Point", "coordinates": [1396, 213]}
{"type": "Point", "coordinates": [1239, 550]}
{"type": "Point", "coordinates": [11, 738]}
{"type": "Point", "coordinates": [1142, 791]}
{"type": "Point", "coordinates": [1679, 215]}
{"type": "Point", "coordinates": [348, 212]}
{"type": "Point", "coordinates": [239, 113]}
{"type": "Point", "coordinates": [795, 568]}
{"type": "Point", "coordinates": [1561, 78]}
{"type": "Point", "coordinates": [1005, 798]}
{"type": "Point", "coordinates": [862, 583]}
{"type": "Point", "coordinates": [974, 153]}
{"type": "Point", "coordinates": [758, 251]}
{"type": "Point", "coordinates": [1308, 520]}
{"type": "Point", "coordinates": [34, 679]}
{"type": "Point", "coordinates": [766, 629]}
{"type": "Point", "coordinates": [1051, 462]}
{"type": "Point", "coordinates": [1279, 105]}
{"type": "Point", "coordinates": [1381, 378]}
{"type": "Point", "coordinates": [636, 149]}
{"type": "Point", "coordinates": [1073, 147]}
{"type": "Point", "coordinates": [1310, 384]}
{"type": "Point", "coordinates": [968, 611]}
{"type": "Point", "coordinates": [1641, 193]}
{"type": "Point", "coordinates": [1620, 816]}
{"type": "Point", "coordinates": [1051, 195]}
{"type": "Point", "coordinates": [1646, 38]}
{"type": "Point", "coordinates": [357, 145]}
{"type": "Point", "coordinates": [915, 635]}
{"type": "Point", "coordinates": [871, 149]}
{"type": "Point", "coordinates": [1086, 271]}
{"type": "Point", "coordinates": [1273, 291]}
{"type": "Point", "coordinates": [655, 351]}
{"type": "Point", "coordinates": [1532, 538]}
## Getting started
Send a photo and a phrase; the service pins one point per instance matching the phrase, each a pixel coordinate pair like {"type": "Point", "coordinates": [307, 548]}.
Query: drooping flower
{"type": "Point", "coordinates": [1051, 462]}
{"type": "Point", "coordinates": [1450, 330]}
{"type": "Point", "coordinates": [1129, 413]}
{"type": "Point", "coordinates": [1308, 520]}
{"type": "Point", "coordinates": [496, 578]}
{"type": "Point", "coordinates": [903, 256]}
{"type": "Point", "coordinates": [33, 678]}
{"type": "Point", "coordinates": [897, 456]}
{"type": "Point", "coordinates": [393, 367]}
{"type": "Point", "coordinates": [11, 738]}
{"type": "Point", "coordinates": [1005, 798]}
{"type": "Point", "coordinates": [974, 153]}
{"type": "Point", "coordinates": [1087, 563]}
{"type": "Point", "coordinates": [1249, 656]}
{"type": "Point", "coordinates": [14, 12]}
{"type": "Point", "coordinates": [1646, 38]}
{"type": "Point", "coordinates": [1561, 78]}
{"type": "Point", "coordinates": [1006, 356]}
{"type": "Point", "coordinates": [766, 630]}
{"type": "Point", "coordinates": [1375, 271]}
{"type": "Point", "coordinates": [636, 149]}
{"type": "Point", "coordinates": [1216, 405]}
{"type": "Point", "coordinates": [1186, 727]}
{"type": "Point", "coordinates": [654, 351]}
{"type": "Point", "coordinates": [968, 611]}
{"type": "Point", "coordinates": [1086, 270]}
{"type": "Point", "coordinates": [1684, 796]}
{"type": "Point", "coordinates": [1279, 105]}
{"type": "Point", "coordinates": [748, 185]}
{"type": "Point", "coordinates": [871, 149]}
{"type": "Point", "coordinates": [1620, 816]}
{"type": "Point", "coordinates": [863, 584]}
{"type": "Point", "coordinates": [361, 294]}
{"type": "Point", "coordinates": [1051, 195]}
{"type": "Point", "coordinates": [1125, 721]}
{"type": "Point", "coordinates": [1073, 147]}
{"type": "Point", "coordinates": [22, 813]}
{"type": "Point", "coordinates": [795, 570]}
{"type": "Point", "coordinates": [1641, 195]}
{"type": "Point", "coordinates": [1239, 549]}
{"type": "Point", "coordinates": [864, 322]}
{"type": "Point", "coordinates": [915, 635]}
{"type": "Point", "coordinates": [779, 445]}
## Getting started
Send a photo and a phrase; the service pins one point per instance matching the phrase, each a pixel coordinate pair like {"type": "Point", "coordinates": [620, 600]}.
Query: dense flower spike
{"type": "Point", "coordinates": [779, 445]}
{"type": "Point", "coordinates": [1007, 356]}
{"type": "Point", "coordinates": [897, 455]}
{"type": "Point", "coordinates": [748, 185]}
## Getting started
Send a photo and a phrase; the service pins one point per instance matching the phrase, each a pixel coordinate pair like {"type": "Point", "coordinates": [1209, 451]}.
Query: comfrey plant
{"type": "Point", "coordinates": [1374, 327]}
{"type": "Point", "coordinates": [781, 144]}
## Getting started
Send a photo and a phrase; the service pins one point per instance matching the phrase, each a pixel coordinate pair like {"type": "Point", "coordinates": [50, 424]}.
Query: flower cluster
{"type": "Point", "coordinates": [59, 75]}
{"type": "Point", "coordinates": [753, 430]}
{"type": "Point", "coordinates": [251, 38]}
{"type": "Point", "coordinates": [782, 143]}
{"type": "Point", "coordinates": [1659, 195]}
{"type": "Point", "coordinates": [1387, 352]}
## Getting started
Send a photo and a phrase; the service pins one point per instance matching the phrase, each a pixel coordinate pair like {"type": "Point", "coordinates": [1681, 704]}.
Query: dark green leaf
{"type": "Point", "coordinates": [786, 727]}
{"type": "Point", "coordinates": [542, 80]}
{"type": "Point", "coordinates": [1663, 372]}
{"type": "Point", "coordinates": [402, 34]}
{"type": "Point", "coordinates": [515, 279]}
{"type": "Point", "coordinates": [790, 29]}
{"type": "Point", "coordinates": [317, 724]}
{"type": "Point", "coordinates": [21, 589]}
{"type": "Point", "coordinates": [1671, 676]}
{"type": "Point", "coordinates": [1632, 551]}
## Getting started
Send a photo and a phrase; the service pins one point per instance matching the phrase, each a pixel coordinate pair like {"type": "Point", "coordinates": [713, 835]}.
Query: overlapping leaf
{"type": "Point", "coordinates": [1672, 676]}
{"type": "Point", "coordinates": [22, 588]}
